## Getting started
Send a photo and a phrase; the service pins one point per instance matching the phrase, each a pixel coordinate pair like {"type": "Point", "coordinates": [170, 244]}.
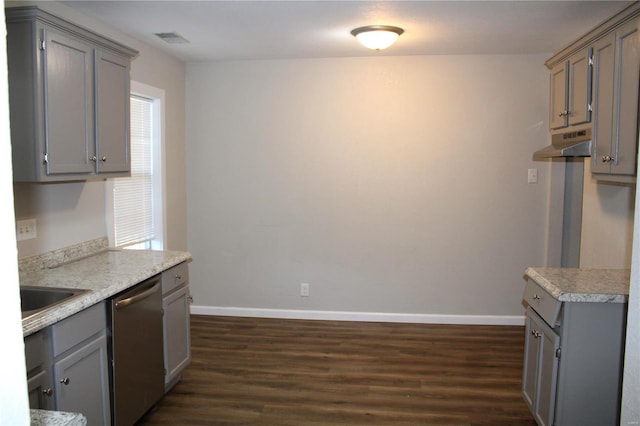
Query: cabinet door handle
{"type": "Point", "coordinates": [93, 158]}
{"type": "Point", "coordinates": [47, 392]}
{"type": "Point", "coordinates": [563, 113]}
{"type": "Point", "coordinates": [607, 158]}
{"type": "Point", "coordinates": [103, 159]}
{"type": "Point", "coordinates": [65, 381]}
{"type": "Point", "coordinates": [536, 297]}
{"type": "Point", "coordinates": [535, 334]}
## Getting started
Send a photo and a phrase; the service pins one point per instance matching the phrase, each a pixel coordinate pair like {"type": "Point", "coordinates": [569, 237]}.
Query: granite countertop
{"type": "Point", "coordinates": [104, 272]}
{"type": "Point", "coordinates": [583, 285]}
{"type": "Point", "coordinates": [56, 418]}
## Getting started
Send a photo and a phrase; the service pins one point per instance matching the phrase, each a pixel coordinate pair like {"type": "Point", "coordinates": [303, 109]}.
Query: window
{"type": "Point", "coordinates": [135, 204]}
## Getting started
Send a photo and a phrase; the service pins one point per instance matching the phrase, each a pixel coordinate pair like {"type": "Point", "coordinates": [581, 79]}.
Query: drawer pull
{"type": "Point", "coordinates": [179, 276]}
{"type": "Point", "coordinates": [535, 334]}
{"type": "Point", "coordinates": [536, 297]}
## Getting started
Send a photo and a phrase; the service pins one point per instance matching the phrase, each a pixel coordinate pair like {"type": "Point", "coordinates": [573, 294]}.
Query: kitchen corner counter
{"type": "Point", "coordinates": [105, 274]}
{"type": "Point", "coordinates": [583, 285]}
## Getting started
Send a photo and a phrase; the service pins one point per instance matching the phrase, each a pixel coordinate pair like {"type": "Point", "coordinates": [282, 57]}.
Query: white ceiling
{"type": "Point", "coordinates": [232, 30]}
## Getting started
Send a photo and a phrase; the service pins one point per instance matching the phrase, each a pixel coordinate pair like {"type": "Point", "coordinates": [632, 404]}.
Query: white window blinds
{"type": "Point", "coordinates": [133, 196]}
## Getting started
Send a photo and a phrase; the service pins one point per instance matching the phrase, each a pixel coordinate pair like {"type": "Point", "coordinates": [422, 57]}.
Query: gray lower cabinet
{"type": "Point", "coordinates": [573, 360]}
{"type": "Point", "coordinates": [177, 336]}
{"type": "Point", "coordinates": [73, 366]}
{"type": "Point", "coordinates": [38, 362]}
{"type": "Point", "coordinates": [69, 99]}
{"type": "Point", "coordinates": [615, 124]}
{"type": "Point", "coordinates": [541, 368]}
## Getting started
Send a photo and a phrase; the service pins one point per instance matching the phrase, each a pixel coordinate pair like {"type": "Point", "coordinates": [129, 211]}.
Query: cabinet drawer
{"type": "Point", "coordinates": [77, 328]}
{"type": "Point", "coordinates": [175, 277]}
{"type": "Point", "coordinates": [542, 302]}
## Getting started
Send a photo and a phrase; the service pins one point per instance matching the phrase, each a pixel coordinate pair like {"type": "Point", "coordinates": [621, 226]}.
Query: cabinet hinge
{"type": "Point", "coordinates": [43, 44]}
{"type": "Point", "coordinates": [558, 353]}
{"type": "Point", "coordinates": [45, 159]}
{"type": "Point", "coordinates": [589, 108]}
{"type": "Point", "coordinates": [590, 61]}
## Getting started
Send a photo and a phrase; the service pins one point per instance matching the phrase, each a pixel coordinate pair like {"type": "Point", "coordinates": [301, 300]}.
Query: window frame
{"type": "Point", "coordinates": [157, 96]}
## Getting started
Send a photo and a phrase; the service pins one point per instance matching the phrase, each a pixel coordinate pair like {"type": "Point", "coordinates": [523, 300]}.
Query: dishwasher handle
{"type": "Point", "coordinates": [137, 297]}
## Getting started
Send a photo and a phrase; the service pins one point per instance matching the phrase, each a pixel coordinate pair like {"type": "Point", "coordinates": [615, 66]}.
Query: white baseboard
{"type": "Point", "coordinates": [359, 316]}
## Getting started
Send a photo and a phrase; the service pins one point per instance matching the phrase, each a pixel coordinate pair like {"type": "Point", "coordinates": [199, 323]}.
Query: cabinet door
{"type": "Point", "coordinates": [38, 363]}
{"type": "Point", "coordinates": [40, 391]}
{"type": "Point", "coordinates": [540, 374]}
{"type": "Point", "coordinates": [603, 72]}
{"type": "Point", "coordinates": [68, 104]}
{"type": "Point", "coordinates": [82, 382]}
{"type": "Point", "coordinates": [627, 74]}
{"type": "Point", "coordinates": [112, 113]}
{"type": "Point", "coordinates": [558, 96]}
{"type": "Point", "coordinates": [548, 374]}
{"type": "Point", "coordinates": [530, 370]}
{"type": "Point", "coordinates": [579, 102]}
{"type": "Point", "coordinates": [177, 340]}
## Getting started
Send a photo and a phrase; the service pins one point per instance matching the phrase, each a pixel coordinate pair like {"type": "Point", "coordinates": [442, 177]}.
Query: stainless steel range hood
{"type": "Point", "coordinates": [569, 144]}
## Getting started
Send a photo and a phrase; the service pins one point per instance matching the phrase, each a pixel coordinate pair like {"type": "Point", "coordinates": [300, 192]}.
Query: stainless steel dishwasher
{"type": "Point", "coordinates": [136, 350]}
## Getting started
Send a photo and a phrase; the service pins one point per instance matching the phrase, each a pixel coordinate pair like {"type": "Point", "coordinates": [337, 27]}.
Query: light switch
{"type": "Point", "coordinates": [532, 176]}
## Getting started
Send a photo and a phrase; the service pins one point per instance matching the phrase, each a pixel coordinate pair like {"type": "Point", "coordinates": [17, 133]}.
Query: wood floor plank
{"type": "Point", "coordinates": [249, 371]}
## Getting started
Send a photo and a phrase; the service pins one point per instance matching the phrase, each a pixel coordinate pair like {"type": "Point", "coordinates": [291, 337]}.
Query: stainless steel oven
{"type": "Point", "coordinates": [136, 350]}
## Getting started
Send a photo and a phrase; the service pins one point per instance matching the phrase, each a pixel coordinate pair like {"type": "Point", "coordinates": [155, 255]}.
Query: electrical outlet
{"type": "Point", "coordinates": [304, 290]}
{"type": "Point", "coordinates": [25, 229]}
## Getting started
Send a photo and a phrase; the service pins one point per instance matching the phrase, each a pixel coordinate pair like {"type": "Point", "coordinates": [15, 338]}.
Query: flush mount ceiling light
{"type": "Point", "coordinates": [377, 37]}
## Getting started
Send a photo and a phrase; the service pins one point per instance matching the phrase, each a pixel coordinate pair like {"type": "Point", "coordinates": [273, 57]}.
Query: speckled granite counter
{"type": "Point", "coordinates": [583, 285]}
{"type": "Point", "coordinates": [56, 418]}
{"type": "Point", "coordinates": [105, 272]}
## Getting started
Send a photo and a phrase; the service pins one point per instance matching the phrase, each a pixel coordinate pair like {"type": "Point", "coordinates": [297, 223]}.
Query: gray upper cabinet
{"type": "Point", "coordinates": [616, 121]}
{"type": "Point", "coordinates": [579, 91]}
{"type": "Point", "coordinates": [67, 81]}
{"type": "Point", "coordinates": [558, 96]}
{"type": "Point", "coordinates": [600, 74]}
{"type": "Point", "coordinates": [69, 99]}
{"type": "Point", "coordinates": [570, 91]}
{"type": "Point", "coordinates": [112, 113]}
{"type": "Point", "coordinates": [603, 72]}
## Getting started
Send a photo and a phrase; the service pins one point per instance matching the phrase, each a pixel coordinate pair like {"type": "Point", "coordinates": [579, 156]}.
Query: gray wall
{"type": "Point", "coordinates": [70, 213]}
{"type": "Point", "coordinates": [391, 184]}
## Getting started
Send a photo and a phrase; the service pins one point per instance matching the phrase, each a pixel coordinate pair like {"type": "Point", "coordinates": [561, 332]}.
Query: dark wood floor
{"type": "Point", "coordinates": [248, 371]}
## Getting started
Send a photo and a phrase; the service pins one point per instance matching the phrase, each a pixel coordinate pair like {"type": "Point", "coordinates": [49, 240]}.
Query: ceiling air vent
{"type": "Point", "coordinates": [172, 38]}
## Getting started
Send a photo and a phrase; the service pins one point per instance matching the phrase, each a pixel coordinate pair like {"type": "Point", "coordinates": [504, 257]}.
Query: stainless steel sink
{"type": "Point", "coordinates": [37, 299]}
